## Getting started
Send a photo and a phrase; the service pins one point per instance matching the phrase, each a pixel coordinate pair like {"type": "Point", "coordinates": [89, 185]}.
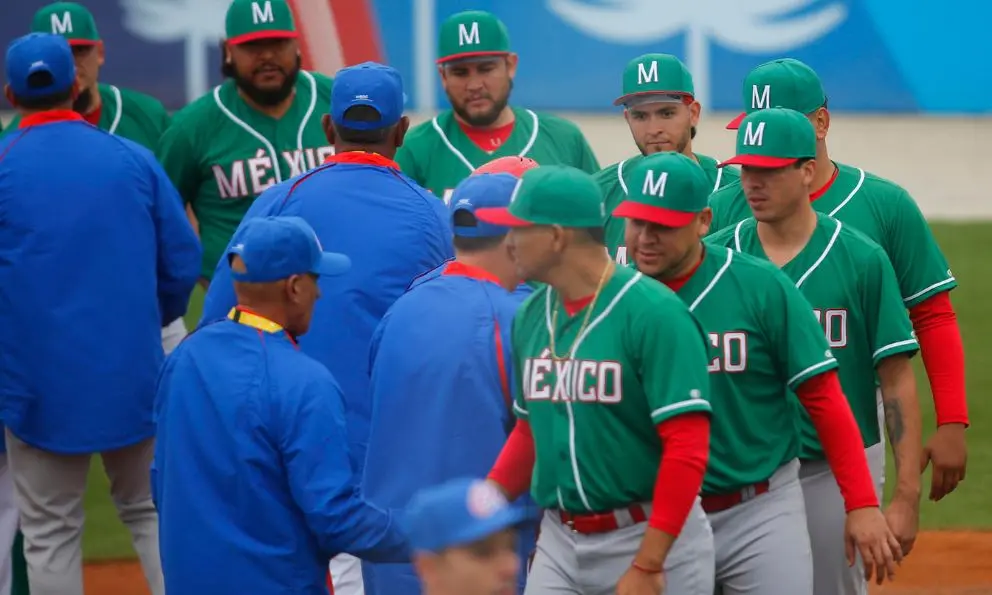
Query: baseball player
{"type": "Point", "coordinates": [463, 534]}
{"type": "Point", "coordinates": [751, 491]}
{"type": "Point", "coordinates": [130, 114]}
{"type": "Point", "coordinates": [361, 205]}
{"type": "Point", "coordinates": [243, 413]}
{"type": "Point", "coordinates": [477, 70]}
{"type": "Point", "coordinates": [260, 127]}
{"type": "Point", "coordinates": [887, 214]}
{"type": "Point", "coordinates": [103, 286]}
{"type": "Point", "coordinates": [850, 283]}
{"type": "Point", "coordinates": [611, 401]}
{"type": "Point", "coordinates": [463, 307]}
{"type": "Point", "coordinates": [662, 113]}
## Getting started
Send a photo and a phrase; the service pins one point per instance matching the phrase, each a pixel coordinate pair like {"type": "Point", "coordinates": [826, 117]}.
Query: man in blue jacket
{"type": "Point", "coordinates": [441, 371]}
{"type": "Point", "coordinates": [252, 478]}
{"type": "Point", "coordinates": [94, 260]}
{"type": "Point", "coordinates": [361, 205]}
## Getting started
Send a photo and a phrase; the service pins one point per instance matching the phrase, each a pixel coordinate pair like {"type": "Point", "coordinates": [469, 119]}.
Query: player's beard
{"type": "Point", "coordinates": [83, 102]}
{"type": "Point", "coordinates": [680, 146]}
{"type": "Point", "coordinates": [268, 97]}
{"type": "Point", "coordinates": [485, 119]}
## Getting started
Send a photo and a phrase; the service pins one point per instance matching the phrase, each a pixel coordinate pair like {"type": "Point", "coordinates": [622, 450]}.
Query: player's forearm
{"type": "Point", "coordinates": [937, 331]}
{"type": "Point", "coordinates": [514, 468]}
{"type": "Point", "coordinates": [685, 445]}
{"type": "Point", "coordinates": [902, 423]}
{"type": "Point", "coordinates": [831, 415]}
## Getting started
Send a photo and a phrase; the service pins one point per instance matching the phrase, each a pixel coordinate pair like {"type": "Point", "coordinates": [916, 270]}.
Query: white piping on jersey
{"type": "Point", "coordinates": [268, 145]}
{"type": "Point", "coordinates": [675, 407]}
{"type": "Point", "coordinates": [575, 348]}
{"type": "Point", "coordinates": [825, 362]}
{"type": "Point", "coordinates": [620, 176]}
{"type": "Point", "coordinates": [520, 410]}
{"type": "Point", "coordinates": [530, 143]}
{"type": "Point", "coordinates": [819, 260]}
{"type": "Point", "coordinates": [723, 269]}
{"type": "Point", "coordinates": [120, 109]}
{"type": "Point", "coordinates": [719, 176]}
{"type": "Point", "coordinates": [950, 279]}
{"type": "Point", "coordinates": [737, 235]}
{"type": "Point", "coordinates": [861, 180]}
{"type": "Point", "coordinates": [885, 348]}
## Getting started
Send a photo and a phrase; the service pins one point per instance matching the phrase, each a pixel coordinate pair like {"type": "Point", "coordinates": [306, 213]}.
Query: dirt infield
{"type": "Point", "coordinates": [943, 563]}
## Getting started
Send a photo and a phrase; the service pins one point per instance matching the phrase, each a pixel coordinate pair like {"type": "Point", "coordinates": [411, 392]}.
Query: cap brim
{"type": "Point", "coordinates": [736, 122]}
{"type": "Point", "coordinates": [501, 216]}
{"type": "Point", "coordinates": [332, 264]}
{"type": "Point", "coordinates": [760, 161]}
{"type": "Point", "coordinates": [83, 42]}
{"type": "Point", "coordinates": [259, 35]}
{"type": "Point", "coordinates": [469, 56]}
{"type": "Point", "coordinates": [624, 99]}
{"type": "Point", "coordinates": [510, 517]}
{"type": "Point", "coordinates": [629, 209]}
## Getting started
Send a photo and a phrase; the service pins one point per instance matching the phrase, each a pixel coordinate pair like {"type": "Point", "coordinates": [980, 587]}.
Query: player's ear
{"type": "Point", "coordinates": [695, 108]}
{"type": "Point", "coordinates": [704, 220]}
{"type": "Point", "coordinates": [821, 123]}
{"type": "Point", "coordinates": [328, 126]}
{"type": "Point", "coordinates": [101, 54]}
{"type": "Point", "coordinates": [400, 133]}
{"type": "Point", "coordinates": [809, 171]}
{"type": "Point", "coordinates": [511, 64]}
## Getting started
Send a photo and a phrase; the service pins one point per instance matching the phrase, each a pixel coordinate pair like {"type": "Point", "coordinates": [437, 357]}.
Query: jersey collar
{"type": "Point", "coordinates": [362, 158]}
{"type": "Point", "coordinates": [49, 117]}
{"type": "Point", "coordinates": [461, 269]}
{"type": "Point", "coordinates": [246, 317]}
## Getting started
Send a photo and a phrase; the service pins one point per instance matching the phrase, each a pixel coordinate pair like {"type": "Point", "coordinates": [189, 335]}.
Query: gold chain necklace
{"type": "Point", "coordinates": [585, 320]}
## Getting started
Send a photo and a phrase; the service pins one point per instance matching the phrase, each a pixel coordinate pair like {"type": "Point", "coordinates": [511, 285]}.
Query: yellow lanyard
{"type": "Point", "coordinates": [242, 316]}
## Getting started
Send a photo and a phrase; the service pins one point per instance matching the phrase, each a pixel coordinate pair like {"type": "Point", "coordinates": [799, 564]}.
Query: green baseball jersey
{"type": "Point", "coordinates": [640, 361]}
{"type": "Point", "coordinates": [221, 154]}
{"type": "Point", "coordinates": [135, 116]}
{"type": "Point", "coordinates": [438, 154]}
{"type": "Point", "coordinates": [613, 183]}
{"type": "Point", "coordinates": [848, 280]}
{"type": "Point", "coordinates": [878, 208]}
{"type": "Point", "coordinates": [755, 361]}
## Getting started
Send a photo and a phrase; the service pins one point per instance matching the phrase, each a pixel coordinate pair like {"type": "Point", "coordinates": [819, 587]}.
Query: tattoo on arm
{"type": "Point", "coordinates": [894, 424]}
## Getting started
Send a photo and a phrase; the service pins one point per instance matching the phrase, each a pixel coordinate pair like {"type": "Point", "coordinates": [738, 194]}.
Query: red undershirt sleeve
{"type": "Point", "coordinates": [937, 331]}
{"type": "Point", "coordinates": [685, 443]}
{"type": "Point", "coordinates": [824, 399]}
{"type": "Point", "coordinates": [515, 465]}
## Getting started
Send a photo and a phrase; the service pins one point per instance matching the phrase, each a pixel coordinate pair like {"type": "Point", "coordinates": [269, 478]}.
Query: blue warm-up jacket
{"type": "Point", "coordinates": [392, 229]}
{"type": "Point", "coordinates": [252, 479]}
{"type": "Point", "coordinates": [441, 371]}
{"type": "Point", "coordinates": [96, 256]}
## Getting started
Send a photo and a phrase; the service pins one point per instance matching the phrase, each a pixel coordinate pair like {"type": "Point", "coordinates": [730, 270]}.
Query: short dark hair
{"type": "Point", "coordinates": [798, 163]}
{"type": "Point", "coordinates": [362, 113]}
{"type": "Point", "coordinates": [692, 133]}
{"type": "Point", "coordinates": [50, 101]}
{"type": "Point", "coordinates": [465, 218]}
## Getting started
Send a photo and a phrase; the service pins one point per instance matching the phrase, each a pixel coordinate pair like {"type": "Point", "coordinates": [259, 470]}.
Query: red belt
{"type": "Point", "coordinates": [717, 502]}
{"type": "Point", "coordinates": [604, 522]}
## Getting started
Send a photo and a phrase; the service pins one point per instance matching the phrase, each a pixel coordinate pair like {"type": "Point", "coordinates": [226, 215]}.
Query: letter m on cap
{"type": "Point", "coordinates": [655, 187]}
{"type": "Point", "coordinates": [262, 14]}
{"type": "Point", "coordinates": [754, 136]}
{"type": "Point", "coordinates": [647, 75]}
{"type": "Point", "coordinates": [63, 25]}
{"type": "Point", "coordinates": [761, 100]}
{"type": "Point", "coordinates": [468, 35]}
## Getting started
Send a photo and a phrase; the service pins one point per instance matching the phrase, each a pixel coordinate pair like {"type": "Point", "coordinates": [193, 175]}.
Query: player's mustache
{"type": "Point", "coordinates": [267, 67]}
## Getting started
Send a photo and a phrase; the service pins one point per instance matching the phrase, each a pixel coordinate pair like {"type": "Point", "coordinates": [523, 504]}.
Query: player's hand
{"type": "Point", "coordinates": [948, 452]}
{"type": "Point", "coordinates": [867, 533]}
{"type": "Point", "coordinates": [639, 582]}
{"type": "Point", "coordinates": [903, 517]}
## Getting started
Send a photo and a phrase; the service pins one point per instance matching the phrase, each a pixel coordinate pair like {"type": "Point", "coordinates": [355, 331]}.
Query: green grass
{"type": "Point", "coordinates": [965, 508]}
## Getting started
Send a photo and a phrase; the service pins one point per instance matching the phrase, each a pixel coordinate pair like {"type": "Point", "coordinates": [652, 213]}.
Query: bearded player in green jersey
{"type": "Point", "coordinates": [260, 127]}
{"type": "Point", "coordinates": [751, 492]}
{"type": "Point", "coordinates": [852, 287]}
{"type": "Point", "coordinates": [662, 112]}
{"type": "Point", "coordinates": [477, 70]}
{"type": "Point", "coordinates": [887, 214]}
{"type": "Point", "coordinates": [611, 403]}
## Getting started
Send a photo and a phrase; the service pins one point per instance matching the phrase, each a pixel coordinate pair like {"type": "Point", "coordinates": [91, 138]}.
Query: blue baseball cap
{"type": "Point", "coordinates": [274, 248]}
{"type": "Point", "coordinates": [36, 53]}
{"type": "Point", "coordinates": [481, 191]}
{"type": "Point", "coordinates": [459, 512]}
{"type": "Point", "coordinates": [369, 83]}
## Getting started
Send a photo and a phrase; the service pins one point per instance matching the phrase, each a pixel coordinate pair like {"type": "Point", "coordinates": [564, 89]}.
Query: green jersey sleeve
{"type": "Point", "coordinates": [178, 159]}
{"type": "Point", "coordinates": [890, 331]}
{"type": "Point", "coordinates": [408, 164]}
{"type": "Point", "coordinates": [800, 344]}
{"type": "Point", "coordinates": [671, 349]}
{"type": "Point", "coordinates": [920, 266]}
{"type": "Point", "coordinates": [585, 159]}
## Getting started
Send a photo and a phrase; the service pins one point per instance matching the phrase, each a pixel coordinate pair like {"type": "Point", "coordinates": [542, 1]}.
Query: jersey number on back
{"type": "Point", "coordinates": [731, 348]}
{"type": "Point", "coordinates": [834, 323]}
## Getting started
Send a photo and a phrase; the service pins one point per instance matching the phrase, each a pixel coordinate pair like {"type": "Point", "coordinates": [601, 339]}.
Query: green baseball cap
{"type": "Point", "coordinates": [659, 77]}
{"type": "Point", "coordinates": [551, 195]}
{"type": "Point", "coordinates": [665, 188]}
{"type": "Point", "coordinates": [774, 137]}
{"type": "Point", "coordinates": [251, 20]}
{"type": "Point", "coordinates": [472, 34]}
{"type": "Point", "coordinates": [785, 82]}
{"type": "Point", "coordinates": [68, 19]}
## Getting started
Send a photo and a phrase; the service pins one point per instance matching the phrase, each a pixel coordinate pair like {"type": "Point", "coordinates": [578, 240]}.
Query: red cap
{"type": "Point", "coordinates": [514, 165]}
{"type": "Point", "coordinates": [736, 122]}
